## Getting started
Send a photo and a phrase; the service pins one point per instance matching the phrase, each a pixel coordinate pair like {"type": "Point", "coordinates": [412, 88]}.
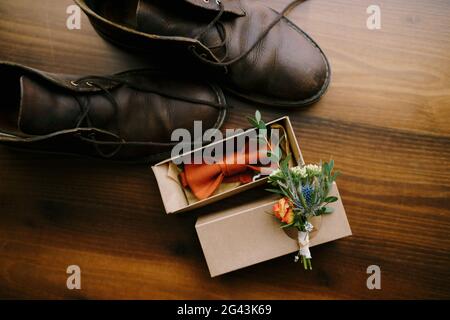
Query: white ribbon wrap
{"type": "Point", "coordinates": [303, 243]}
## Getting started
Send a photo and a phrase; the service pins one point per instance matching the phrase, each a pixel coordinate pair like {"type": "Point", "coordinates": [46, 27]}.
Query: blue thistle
{"type": "Point", "coordinates": [307, 192]}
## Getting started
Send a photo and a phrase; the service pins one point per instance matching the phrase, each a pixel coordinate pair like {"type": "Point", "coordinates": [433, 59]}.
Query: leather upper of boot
{"type": "Point", "coordinates": [286, 67]}
{"type": "Point", "coordinates": [135, 106]}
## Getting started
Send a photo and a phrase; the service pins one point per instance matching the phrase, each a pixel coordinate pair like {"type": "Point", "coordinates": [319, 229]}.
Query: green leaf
{"type": "Point", "coordinates": [320, 211]}
{"type": "Point", "coordinates": [262, 125]}
{"type": "Point", "coordinates": [258, 116]}
{"type": "Point", "coordinates": [328, 210]}
{"type": "Point", "coordinates": [276, 191]}
{"type": "Point", "coordinates": [252, 122]}
{"type": "Point", "coordinates": [284, 165]}
{"type": "Point", "coordinates": [325, 169]}
{"type": "Point", "coordinates": [330, 199]}
{"type": "Point", "coordinates": [286, 225]}
{"type": "Point", "coordinates": [331, 164]}
{"type": "Point", "coordinates": [298, 225]}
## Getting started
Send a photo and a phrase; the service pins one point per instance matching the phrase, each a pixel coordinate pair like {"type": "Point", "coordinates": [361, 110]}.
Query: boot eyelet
{"type": "Point", "coordinates": [74, 83]}
{"type": "Point", "coordinates": [89, 84]}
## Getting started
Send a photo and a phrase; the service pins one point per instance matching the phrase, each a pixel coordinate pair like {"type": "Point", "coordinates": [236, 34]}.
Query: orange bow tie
{"type": "Point", "coordinates": [203, 179]}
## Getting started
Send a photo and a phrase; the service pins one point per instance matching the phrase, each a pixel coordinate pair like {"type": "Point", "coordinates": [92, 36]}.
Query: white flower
{"type": "Point", "coordinates": [275, 172]}
{"type": "Point", "coordinates": [313, 169]}
{"type": "Point", "coordinates": [299, 171]}
{"type": "Point", "coordinates": [302, 172]}
{"type": "Point", "coordinates": [308, 226]}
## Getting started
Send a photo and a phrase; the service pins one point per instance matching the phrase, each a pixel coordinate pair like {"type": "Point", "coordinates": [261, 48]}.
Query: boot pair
{"type": "Point", "coordinates": [240, 46]}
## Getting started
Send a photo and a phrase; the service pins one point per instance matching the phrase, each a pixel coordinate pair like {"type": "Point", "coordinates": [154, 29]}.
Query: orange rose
{"type": "Point", "coordinates": [283, 211]}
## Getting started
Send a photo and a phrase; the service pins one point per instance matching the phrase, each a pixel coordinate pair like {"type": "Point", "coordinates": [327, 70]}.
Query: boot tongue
{"type": "Point", "coordinates": [160, 18]}
{"type": "Point", "coordinates": [179, 18]}
{"type": "Point", "coordinates": [44, 110]}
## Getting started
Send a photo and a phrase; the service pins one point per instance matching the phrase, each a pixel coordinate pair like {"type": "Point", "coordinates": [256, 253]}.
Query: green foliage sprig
{"type": "Point", "coordinates": [274, 151]}
{"type": "Point", "coordinates": [305, 189]}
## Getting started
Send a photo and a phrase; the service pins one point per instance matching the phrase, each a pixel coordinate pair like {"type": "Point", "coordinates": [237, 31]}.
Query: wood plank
{"type": "Point", "coordinates": [385, 121]}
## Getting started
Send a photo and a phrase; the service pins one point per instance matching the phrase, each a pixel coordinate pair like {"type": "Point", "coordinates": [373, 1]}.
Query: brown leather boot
{"type": "Point", "coordinates": [126, 116]}
{"type": "Point", "coordinates": [252, 50]}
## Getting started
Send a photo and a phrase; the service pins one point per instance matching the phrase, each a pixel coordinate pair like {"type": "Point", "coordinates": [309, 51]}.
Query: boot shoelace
{"type": "Point", "coordinates": [85, 107]}
{"type": "Point", "coordinates": [222, 62]}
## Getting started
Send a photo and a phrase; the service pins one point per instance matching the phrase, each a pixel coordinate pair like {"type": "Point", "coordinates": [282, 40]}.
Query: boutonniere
{"type": "Point", "coordinates": [305, 193]}
{"type": "Point", "coordinates": [305, 190]}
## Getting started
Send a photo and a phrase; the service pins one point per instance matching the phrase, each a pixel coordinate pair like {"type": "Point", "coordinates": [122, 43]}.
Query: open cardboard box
{"type": "Point", "coordinates": [173, 195]}
{"type": "Point", "coordinates": [245, 235]}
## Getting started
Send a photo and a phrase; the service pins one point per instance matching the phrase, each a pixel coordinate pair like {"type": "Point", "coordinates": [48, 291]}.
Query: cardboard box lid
{"type": "Point", "coordinates": [249, 234]}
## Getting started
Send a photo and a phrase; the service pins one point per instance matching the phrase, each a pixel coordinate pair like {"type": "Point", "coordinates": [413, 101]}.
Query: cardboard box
{"type": "Point", "coordinates": [246, 235]}
{"type": "Point", "coordinates": [173, 196]}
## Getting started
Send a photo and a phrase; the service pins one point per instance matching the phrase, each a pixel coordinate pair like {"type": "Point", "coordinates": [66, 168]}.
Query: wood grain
{"type": "Point", "coordinates": [385, 121]}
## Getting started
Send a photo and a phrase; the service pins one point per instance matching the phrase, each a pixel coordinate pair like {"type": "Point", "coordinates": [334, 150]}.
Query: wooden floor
{"type": "Point", "coordinates": [385, 120]}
